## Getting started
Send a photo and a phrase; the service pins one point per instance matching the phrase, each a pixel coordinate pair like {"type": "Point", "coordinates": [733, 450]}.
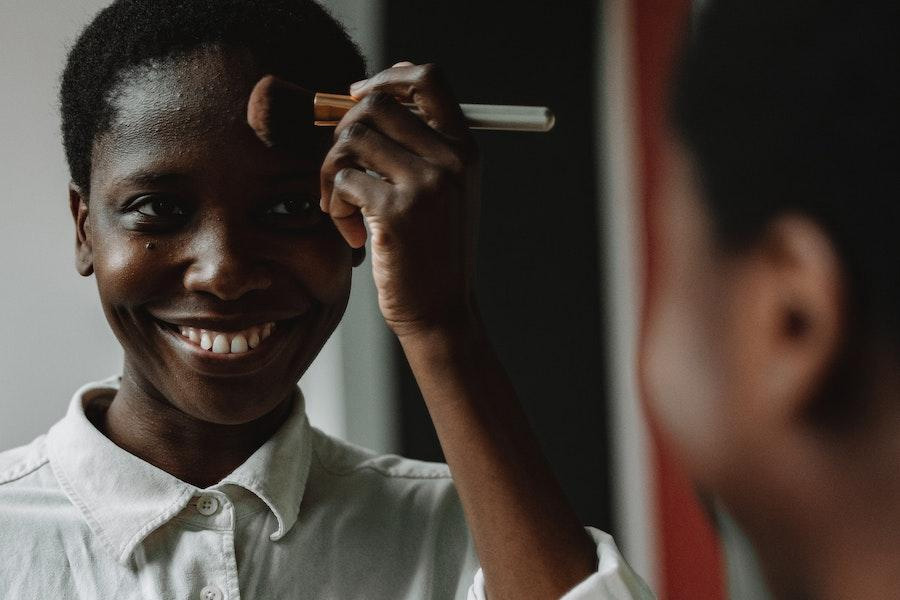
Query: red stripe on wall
{"type": "Point", "coordinates": [689, 556]}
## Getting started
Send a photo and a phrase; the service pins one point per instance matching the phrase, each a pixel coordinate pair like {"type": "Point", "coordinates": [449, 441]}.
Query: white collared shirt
{"type": "Point", "coordinates": [306, 516]}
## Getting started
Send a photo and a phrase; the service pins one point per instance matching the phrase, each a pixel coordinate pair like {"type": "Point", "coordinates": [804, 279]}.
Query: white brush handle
{"type": "Point", "coordinates": [500, 117]}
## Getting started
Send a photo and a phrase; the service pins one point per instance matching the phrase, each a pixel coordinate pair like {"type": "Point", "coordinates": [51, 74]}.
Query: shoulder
{"type": "Point", "coordinates": [407, 510]}
{"type": "Point", "coordinates": [18, 463]}
{"type": "Point", "coordinates": [31, 499]}
{"type": "Point", "coordinates": [363, 481]}
{"type": "Point", "coordinates": [340, 458]}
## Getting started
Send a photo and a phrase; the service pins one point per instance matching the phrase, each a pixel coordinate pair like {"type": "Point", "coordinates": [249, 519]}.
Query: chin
{"type": "Point", "coordinates": [236, 401]}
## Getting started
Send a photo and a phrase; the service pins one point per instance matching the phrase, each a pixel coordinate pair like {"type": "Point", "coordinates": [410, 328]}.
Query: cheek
{"type": "Point", "coordinates": [127, 272]}
{"type": "Point", "coordinates": [681, 362]}
{"type": "Point", "coordinates": [679, 365]}
{"type": "Point", "coordinates": [325, 267]}
{"type": "Point", "coordinates": [682, 374]}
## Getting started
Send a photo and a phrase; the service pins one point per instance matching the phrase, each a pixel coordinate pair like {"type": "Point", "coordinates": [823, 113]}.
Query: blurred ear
{"type": "Point", "coordinates": [84, 257]}
{"type": "Point", "coordinates": [793, 292]}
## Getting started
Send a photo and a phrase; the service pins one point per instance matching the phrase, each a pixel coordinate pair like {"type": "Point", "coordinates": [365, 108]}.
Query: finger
{"type": "Point", "coordinates": [402, 63]}
{"type": "Point", "coordinates": [356, 194]}
{"type": "Point", "coordinates": [424, 85]}
{"type": "Point", "coordinates": [383, 112]}
{"type": "Point", "coordinates": [363, 148]}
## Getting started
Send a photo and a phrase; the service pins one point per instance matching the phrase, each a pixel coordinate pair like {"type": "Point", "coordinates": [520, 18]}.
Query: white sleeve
{"type": "Point", "coordinates": [614, 579]}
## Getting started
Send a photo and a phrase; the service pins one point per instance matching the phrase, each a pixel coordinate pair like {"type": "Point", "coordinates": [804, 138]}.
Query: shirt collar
{"type": "Point", "coordinates": [123, 498]}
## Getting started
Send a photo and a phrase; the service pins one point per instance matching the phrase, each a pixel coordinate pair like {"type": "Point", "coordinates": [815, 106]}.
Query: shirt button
{"type": "Point", "coordinates": [207, 505]}
{"type": "Point", "coordinates": [211, 592]}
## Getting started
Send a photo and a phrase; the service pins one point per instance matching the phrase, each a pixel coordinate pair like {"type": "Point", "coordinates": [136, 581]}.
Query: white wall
{"type": "Point", "coordinates": [621, 248]}
{"type": "Point", "coordinates": [55, 335]}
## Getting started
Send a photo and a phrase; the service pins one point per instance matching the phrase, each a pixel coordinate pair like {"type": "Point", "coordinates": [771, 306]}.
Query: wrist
{"type": "Point", "coordinates": [454, 323]}
{"type": "Point", "coordinates": [449, 353]}
{"type": "Point", "coordinates": [455, 333]}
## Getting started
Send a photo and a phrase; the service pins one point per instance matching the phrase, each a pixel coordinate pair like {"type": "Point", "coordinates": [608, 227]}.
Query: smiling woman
{"type": "Point", "coordinates": [221, 278]}
{"type": "Point", "coordinates": [223, 266]}
{"type": "Point", "coordinates": [239, 244]}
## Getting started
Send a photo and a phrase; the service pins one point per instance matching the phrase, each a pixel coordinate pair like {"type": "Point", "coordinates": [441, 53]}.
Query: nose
{"type": "Point", "coordinates": [223, 264]}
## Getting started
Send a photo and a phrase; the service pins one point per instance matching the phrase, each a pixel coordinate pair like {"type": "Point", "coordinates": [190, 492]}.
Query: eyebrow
{"type": "Point", "coordinates": [151, 178]}
{"type": "Point", "coordinates": [155, 177]}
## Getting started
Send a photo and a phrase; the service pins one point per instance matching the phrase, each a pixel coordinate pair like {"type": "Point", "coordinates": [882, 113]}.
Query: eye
{"type": "Point", "coordinates": [159, 207]}
{"type": "Point", "coordinates": [296, 207]}
{"type": "Point", "coordinates": [298, 212]}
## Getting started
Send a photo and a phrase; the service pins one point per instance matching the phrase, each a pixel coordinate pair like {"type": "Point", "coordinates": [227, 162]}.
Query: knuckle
{"type": "Point", "coordinates": [333, 161]}
{"type": "Point", "coordinates": [353, 132]}
{"type": "Point", "coordinates": [402, 206]}
{"type": "Point", "coordinates": [329, 162]}
{"type": "Point", "coordinates": [342, 176]}
{"type": "Point", "coordinates": [378, 79]}
{"type": "Point", "coordinates": [339, 178]}
{"type": "Point", "coordinates": [430, 72]}
{"type": "Point", "coordinates": [456, 163]}
{"type": "Point", "coordinates": [377, 100]}
{"type": "Point", "coordinates": [463, 157]}
{"type": "Point", "coordinates": [434, 179]}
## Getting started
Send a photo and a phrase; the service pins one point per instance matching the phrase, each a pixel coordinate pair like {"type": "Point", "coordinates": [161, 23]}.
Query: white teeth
{"type": "Point", "coordinates": [236, 342]}
{"type": "Point", "coordinates": [253, 340]}
{"type": "Point", "coordinates": [239, 344]}
{"type": "Point", "coordinates": [221, 345]}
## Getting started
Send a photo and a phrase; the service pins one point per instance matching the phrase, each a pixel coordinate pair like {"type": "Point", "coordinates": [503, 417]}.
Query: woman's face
{"type": "Point", "coordinates": [200, 235]}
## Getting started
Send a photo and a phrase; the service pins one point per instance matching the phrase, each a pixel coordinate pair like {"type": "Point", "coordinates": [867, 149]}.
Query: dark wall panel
{"type": "Point", "coordinates": [538, 265]}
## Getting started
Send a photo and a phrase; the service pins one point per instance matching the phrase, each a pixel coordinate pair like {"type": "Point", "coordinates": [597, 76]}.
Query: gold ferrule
{"type": "Point", "coordinates": [329, 109]}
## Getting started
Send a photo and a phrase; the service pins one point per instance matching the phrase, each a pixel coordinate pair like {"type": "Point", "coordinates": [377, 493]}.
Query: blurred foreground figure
{"type": "Point", "coordinates": [772, 348]}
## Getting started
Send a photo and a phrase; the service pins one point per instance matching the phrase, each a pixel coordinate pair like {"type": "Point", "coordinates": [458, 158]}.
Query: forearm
{"type": "Point", "coordinates": [529, 541]}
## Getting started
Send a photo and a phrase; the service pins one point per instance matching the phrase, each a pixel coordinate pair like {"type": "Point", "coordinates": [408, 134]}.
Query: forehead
{"type": "Point", "coordinates": [203, 92]}
{"type": "Point", "coordinates": [181, 113]}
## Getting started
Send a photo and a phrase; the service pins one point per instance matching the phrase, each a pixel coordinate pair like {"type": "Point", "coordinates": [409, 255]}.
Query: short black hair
{"type": "Point", "coordinates": [294, 39]}
{"type": "Point", "coordinates": [793, 106]}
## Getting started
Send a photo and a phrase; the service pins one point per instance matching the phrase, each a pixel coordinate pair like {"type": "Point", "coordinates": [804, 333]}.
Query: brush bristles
{"type": "Point", "coordinates": [280, 112]}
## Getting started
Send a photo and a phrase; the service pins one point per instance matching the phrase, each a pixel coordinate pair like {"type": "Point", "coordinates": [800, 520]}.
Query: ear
{"type": "Point", "coordinates": [84, 256]}
{"type": "Point", "coordinates": [794, 297]}
{"type": "Point", "coordinates": [359, 255]}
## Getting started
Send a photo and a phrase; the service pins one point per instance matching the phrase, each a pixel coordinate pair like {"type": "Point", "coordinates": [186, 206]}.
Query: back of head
{"type": "Point", "coordinates": [294, 39]}
{"type": "Point", "coordinates": [794, 107]}
{"type": "Point", "coordinates": [790, 114]}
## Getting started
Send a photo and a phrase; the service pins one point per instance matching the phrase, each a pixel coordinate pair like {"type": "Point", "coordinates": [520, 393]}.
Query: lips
{"type": "Point", "coordinates": [233, 346]}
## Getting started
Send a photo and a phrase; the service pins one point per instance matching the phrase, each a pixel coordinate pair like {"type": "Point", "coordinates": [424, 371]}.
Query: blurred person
{"type": "Point", "coordinates": [771, 352]}
{"type": "Point", "coordinates": [771, 347]}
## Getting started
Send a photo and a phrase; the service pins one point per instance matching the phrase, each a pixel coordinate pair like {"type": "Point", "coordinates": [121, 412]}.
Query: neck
{"type": "Point", "coordinates": [143, 422]}
{"type": "Point", "coordinates": [857, 562]}
{"type": "Point", "coordinates": [839, 537]}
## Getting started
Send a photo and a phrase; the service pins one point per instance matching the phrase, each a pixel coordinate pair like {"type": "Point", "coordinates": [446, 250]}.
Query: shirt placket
{"type": "Point", "coordinates": [193, 557]}
{"type": "Point", "coordinates": [215, 512]}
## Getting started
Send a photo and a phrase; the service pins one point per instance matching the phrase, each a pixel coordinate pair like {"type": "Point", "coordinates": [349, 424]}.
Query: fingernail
{"type": "Point", "coordinates": [357, 85]}
{"type": "Point", "coordinates": [322, 205]}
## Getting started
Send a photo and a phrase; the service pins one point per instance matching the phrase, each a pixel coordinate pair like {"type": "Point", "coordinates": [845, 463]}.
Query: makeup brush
{"type": "Point", "coordinates": [278, 109]}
